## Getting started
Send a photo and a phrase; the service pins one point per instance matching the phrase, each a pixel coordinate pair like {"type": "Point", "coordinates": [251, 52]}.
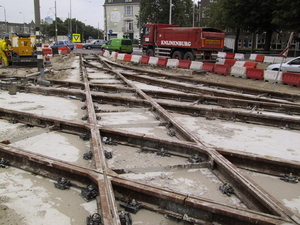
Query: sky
{"type": "Point", "coordinates": [89, 12]}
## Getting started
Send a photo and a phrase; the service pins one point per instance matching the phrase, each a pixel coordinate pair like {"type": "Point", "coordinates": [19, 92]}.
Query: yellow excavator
{"type": "Point", "coordinates": [23, 50]}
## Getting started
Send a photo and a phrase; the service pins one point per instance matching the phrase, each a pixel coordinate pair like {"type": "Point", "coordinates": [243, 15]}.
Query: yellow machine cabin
{"type": "Point", "coordinates": [23, 44]}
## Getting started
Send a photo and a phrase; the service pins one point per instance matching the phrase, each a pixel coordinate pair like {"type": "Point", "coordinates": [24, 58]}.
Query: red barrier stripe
{"type": "Point", "coordinates": [260, 58]}
{"type": "Point", "coordinates": [250, 64]}
{"type": "Point", "coordinates": [208, 66]}
{"type": "Point", "coordinates": [229, 62]}
{"type": "Point", "coordinates": [184, 64]}
{"type": "Point", "coordinates": [145, 59]}
{"type": "Point", "coordinates": [255, 74]}
{"type": "Point", "coordinates": [292, 79]}
{"type": "Point", "coordinates": [222, 69]}
{"type": "Point", "coordinates": [162, 62]}
{"type": "Point", "coordinates": [127, 57]}
{"type": "Point", "coordinates": [229, 55]}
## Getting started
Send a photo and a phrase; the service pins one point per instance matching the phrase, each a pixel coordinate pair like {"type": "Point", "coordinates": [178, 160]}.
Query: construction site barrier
{"type": "Point", "coordinates": [259, 58]}
{"type": "Point", "coordinates": [230, 62]}
{"type": "Point", "coordinates": [292, 79]}
{"type": "Point", "coordinates": [136, 58]}
{"type": "Point", "coordinates": [229, 55]}
{"type": "Point", "coordinates": [153, 60]}
{"type": "Point", "coordinates": [145, 59]}
{"type": "Point", "coordinates": [238, 71]}
{"type": "Point", "coordinates": [78, 45]}
{"type": "Point", "coordinates": [196, 65]}
{"type": "Point", "coordinates": [127, 57]}
{"type": "Point", "coordinates": [269, 59]}
{"type": "Point", "coordinates": [239, 63]}
{"type": "Point", "coordinates": [106, 53]}
{"type": "Point", "coordinates": [172, 63]}
{"type": "Point", "coordinates": [64, 50]}
{"type": "Point", "coordinates": [184, 64]}
{"type": "Point", "coordinates": [255, 74]}
{"type": "Point", "coordinates": [220, 61]}
{"type": "Point", "coordinates": [222, 69]}
{"type": "Point", "coordinates": [221, 55]}
{"type": "Point", "coordinates": [47, 51]}
{"type": "Point", "coordinates": [239, 56]}
{"type": "Point", "coordinates": [114, 55]}
{"type": "Point", "coordinates": [208, 66]}
{"type": "Point", "coordinates": [250, 64]}
{"type": "Point", "coordinates": [252, 57]}
{"type": "Point", "coordinates": [162, 62]}
{"type": "Point", "coordinates": [121, 56]}
{"type": "Point", "coordinates": [273, 76]}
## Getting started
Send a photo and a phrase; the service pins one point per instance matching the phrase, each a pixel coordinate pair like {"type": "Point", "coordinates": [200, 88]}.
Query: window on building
{"type": "Point", "coordinates": [128, 10]}
{"type": "Point", "coordinates": [128, 0]}
{"type": "Point", "coordinates": [110, 1]}
{"type": "Point", "coordinates": [129, 25]}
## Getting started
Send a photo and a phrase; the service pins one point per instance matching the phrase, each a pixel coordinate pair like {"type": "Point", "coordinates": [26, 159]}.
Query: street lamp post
{"type": "Point", "coordinates": [5, 19]}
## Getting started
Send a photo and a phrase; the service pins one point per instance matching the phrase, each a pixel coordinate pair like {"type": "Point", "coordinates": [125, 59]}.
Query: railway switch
{"type": "Point", "coordinates": [109, 141]}
{"type": "Point", "coordinates": [4, 163]}
{"type": "Point", "coordinates": [89, 193]}
{"type": "Point", "coordinates": [107, 154]}
{"type": "Point", "coordinates": [13, 121]}
{"type": "Point", "coordinates": [226, 189]}
{"type": "Point", "coordinates": [171, 133]}
{"type": "Point", "coordinates": [94, 219]}
{"type": "Point", "coordinates": [163, 152]}
{"type": "Point", "coordinates": [125, 218]}
{"type": "Point", "coordinates": [290, 178]}
{"type": "Point", "coordinates": [85, 117]}
{"type": "Point", "coordinates": [88, 155]}
{"type": "Point", "coordinates": [132, 206]}
{"type": "Point", "coordinates": [62, 184]}
{"type": "Point", "coordinates": [195, 159]}
{"type": "Point", "coordinates": [85, 136]}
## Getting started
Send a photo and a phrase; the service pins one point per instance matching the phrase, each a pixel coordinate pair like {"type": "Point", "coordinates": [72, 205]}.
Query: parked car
{"type": "Point", "coordinates": [94, 44]}
{"type": "Point", "coordinates": [289, 66]}
{"type": "Point", "coordinates": [63, 43]}
{"type": "Point", "coordinates": [122, 45]}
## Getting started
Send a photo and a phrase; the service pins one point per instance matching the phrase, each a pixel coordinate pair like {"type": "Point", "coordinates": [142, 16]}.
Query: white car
{"type": "Point", "coordinates": [289, 66]}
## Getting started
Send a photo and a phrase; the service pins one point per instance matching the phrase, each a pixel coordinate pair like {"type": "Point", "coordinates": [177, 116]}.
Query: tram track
{"type": "Point", "coordinates": [260, 208]}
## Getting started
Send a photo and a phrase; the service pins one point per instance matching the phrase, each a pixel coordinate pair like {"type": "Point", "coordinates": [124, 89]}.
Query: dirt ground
{"type": "Point", "coordinates": [63, 65]}
{"type": "Point", "coordinates": [66, 67]}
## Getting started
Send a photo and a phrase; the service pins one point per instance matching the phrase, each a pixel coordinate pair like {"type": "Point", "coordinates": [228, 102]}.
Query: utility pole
{"type": "Point", "coordinates": [71, 17]}
{"type": "Point", "coordinates": [170, 14]}
{"type": "Point", "coordinates": [6, 29]}
{"type": "Point", "coordinates": [55, 23]}
{"type": "Point", "coordinates": [38, 36]}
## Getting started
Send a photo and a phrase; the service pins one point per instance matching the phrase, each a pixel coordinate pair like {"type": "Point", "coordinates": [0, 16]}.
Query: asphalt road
{"type": "Point", "coordinates": [136, 50]}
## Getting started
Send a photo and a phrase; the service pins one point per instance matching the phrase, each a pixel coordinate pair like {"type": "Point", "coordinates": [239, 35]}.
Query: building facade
{"type": "Point", "coordinates": [121, 19]}
{"type": "Point", "coordinates": [19, 28]}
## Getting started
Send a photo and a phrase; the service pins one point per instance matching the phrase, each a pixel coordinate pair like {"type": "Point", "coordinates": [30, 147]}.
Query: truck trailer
{"type": "Point", "coordinates": [173, 41]}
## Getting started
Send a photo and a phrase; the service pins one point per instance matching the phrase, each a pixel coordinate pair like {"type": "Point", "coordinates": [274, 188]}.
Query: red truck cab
{"type": "Point", "coordinates": [173, 41]}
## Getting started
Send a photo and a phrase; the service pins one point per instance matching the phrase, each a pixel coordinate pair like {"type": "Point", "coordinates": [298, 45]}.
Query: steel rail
{"type": "Point", "coordinates": [195, 80]}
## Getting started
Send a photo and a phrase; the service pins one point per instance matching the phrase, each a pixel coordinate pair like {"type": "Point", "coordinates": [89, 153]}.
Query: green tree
{"type": "Point", "coordinates": [63, 28]}
{"type": "Point", "coordinates": [287, 15]}
{"type": "Point", "coordinates": [159, 11]}
{"type": "Point", "coordinates": [251, 15]}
